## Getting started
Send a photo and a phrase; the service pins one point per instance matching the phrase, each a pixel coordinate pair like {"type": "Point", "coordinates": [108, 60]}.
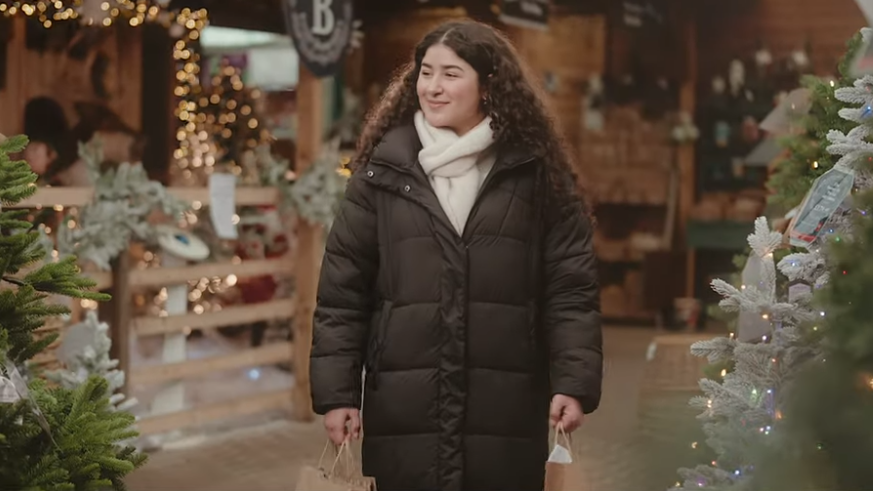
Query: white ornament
{"type": "Point", "coordinates": [800, 58]}
{"type": "Point", "coordinates": [182, 243]}
{"type": "Point", "coordinates": [736, 76]}
{"type": "Point", "coordinates": [763, 57]}
{"type": "Point", "coordinates": [719, 85]}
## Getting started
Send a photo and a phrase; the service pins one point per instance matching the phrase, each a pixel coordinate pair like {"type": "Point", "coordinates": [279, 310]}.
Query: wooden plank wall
{"type": "Point", "coordinates": [31, 73]}
{"type": "Point", "coordinates": [572, 50]}
{"type": "Point", "coordinates": [390, 40]}
{"type": "Point", "coordinates": [730, 29]}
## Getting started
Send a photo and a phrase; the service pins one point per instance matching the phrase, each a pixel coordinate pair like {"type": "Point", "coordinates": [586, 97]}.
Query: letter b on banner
{"type": "Point", "coordinates": [321, 30]}
{"type": "Point", "coordinates": [323, 20]}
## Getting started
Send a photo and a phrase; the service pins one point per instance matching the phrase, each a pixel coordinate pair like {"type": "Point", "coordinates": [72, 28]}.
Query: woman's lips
{"type": "Point", "coordinates": [436, 104]}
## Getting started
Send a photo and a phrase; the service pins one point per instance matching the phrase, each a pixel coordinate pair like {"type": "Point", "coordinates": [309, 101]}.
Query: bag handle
{"type": "Point", "coordinates": [559, 432]}
{"type": "Point", "coordinates": [343, 450]}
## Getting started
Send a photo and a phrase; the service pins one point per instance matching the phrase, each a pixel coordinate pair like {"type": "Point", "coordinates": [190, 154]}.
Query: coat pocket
{"type": "Point", "coordinates": [377, 344]}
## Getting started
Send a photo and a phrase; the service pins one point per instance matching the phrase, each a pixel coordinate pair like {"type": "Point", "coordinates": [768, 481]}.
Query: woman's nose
{"type": "Point", "coordinates": [434, 86]}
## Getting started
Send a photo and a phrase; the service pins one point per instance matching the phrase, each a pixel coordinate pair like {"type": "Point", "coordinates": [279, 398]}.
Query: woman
{"type": "Point", "coordinates": [460, 274]}
{"type": "Point", "coordinates": [45, 124]}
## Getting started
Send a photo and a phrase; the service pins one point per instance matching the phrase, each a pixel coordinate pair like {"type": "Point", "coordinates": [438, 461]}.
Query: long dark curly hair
{"type": "Point", "coordinates": [519, 117]}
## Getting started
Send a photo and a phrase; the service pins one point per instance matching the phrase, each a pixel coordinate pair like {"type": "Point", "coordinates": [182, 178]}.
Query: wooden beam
{"type": "Point", "coordinates": [310, 97]}
{"type": "Point", "coordinates": [264, 355]}
{"type": "Point", "coordinates": [158, 277]}
{"type": "Point", "coordinates": [228, 316]}
{"type": "Point", "coordinates": [79, 196]}
{"type": "Point", "coordinates": [213, 412]}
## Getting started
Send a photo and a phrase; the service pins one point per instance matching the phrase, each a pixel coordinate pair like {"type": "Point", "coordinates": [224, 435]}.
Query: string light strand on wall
{"type": "Point", "coordinates": [93, 12]}
{"type": "Point", "coordinates": [184, 25]}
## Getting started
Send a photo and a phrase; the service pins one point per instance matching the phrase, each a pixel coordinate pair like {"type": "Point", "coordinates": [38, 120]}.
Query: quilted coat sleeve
{"type": "Point", "coordinates": [571, 313]}
{"type": "Point", "coordinates": [345, 302]}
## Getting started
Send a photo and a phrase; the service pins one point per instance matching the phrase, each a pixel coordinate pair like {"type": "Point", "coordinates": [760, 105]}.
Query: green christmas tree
{"type": "Point", "coordinates": [230, 114]}
{"type": "Point", "coordinates": [806, 159]}
{"type": "Point", "coordinates": [51, 439]}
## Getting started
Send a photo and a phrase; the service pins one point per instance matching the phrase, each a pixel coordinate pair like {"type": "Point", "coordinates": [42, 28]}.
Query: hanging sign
{"type": "Point", "coordinates": [533, 14]}
{"type": "Point", "coordinates": [643, 13]}
{"type": "Point", "coordinates": [321, 30]}
{"type": "Point", "coordinates": [823, 200]}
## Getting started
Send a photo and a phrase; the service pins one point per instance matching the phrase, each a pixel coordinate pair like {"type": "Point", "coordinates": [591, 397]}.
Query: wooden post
{"type": "Point", "coordinates": [688, 183]}
{"type": "Point", "coordinates": [117, 313]}
{"type": "Point", "coordinates": [309, 236]}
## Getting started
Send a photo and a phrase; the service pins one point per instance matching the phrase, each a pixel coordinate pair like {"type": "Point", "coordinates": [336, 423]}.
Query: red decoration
{"type": "Point", "coordinates": [259, 241]}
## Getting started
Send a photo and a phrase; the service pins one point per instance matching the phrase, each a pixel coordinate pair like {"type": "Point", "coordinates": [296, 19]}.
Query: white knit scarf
{"type": "Point", "coordinates": [456, 165]}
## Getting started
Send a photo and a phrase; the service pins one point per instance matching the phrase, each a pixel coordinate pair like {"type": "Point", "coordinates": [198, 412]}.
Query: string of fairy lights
{"type": "Point", "coordinates": [100, 12]}
{"type": "Point", "coordinates": [185, 25]}
{"type": "Point", "coordinates": [207, 117]}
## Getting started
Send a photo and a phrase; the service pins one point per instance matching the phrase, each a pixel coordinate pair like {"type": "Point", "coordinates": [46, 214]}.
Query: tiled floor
{"type": "Point", "coordinates": [615, 454]}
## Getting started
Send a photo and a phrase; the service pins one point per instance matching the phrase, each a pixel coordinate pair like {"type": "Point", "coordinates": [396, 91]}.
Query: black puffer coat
{"type": "Point", "coordinates": [462, 349]}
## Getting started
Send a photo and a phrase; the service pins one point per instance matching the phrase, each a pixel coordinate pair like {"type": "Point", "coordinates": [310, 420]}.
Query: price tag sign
{"type": "Point", "coordinates": [222, 206]}
{"type": "Point", "coordinates": [826, 196]}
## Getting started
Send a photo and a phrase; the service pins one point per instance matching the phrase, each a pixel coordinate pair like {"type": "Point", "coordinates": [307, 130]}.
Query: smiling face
{"type": "Point", "coordinates": [448, 90]}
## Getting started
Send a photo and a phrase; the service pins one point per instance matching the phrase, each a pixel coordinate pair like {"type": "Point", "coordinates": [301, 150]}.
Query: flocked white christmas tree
{"type": "Point", "coordinates": [740, 411]}
{"type": "Point", "coordinates": [83, 352]}
{"type": "Point", "coordinates": [741, 414]}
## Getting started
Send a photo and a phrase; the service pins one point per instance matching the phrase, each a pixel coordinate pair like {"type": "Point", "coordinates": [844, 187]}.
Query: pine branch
{"type": "Point", "coordinates": [80, 448]}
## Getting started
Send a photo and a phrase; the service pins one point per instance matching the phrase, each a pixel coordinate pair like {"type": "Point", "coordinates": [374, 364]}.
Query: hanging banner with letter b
{"type": "Point", "coordinates": [321, 30]}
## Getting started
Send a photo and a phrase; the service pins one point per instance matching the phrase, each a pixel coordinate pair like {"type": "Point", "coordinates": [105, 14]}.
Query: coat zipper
{"type": "Point", "coordinates": [379, 342]}
{"type": "Point", "coordinates": [464, 238]}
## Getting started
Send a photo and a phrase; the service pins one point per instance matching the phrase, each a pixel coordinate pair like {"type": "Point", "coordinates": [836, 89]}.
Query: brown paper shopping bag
{"type": "Point", "coordinates": [563, 471]}
{"type": "Point", "coordinates": [344, 475]}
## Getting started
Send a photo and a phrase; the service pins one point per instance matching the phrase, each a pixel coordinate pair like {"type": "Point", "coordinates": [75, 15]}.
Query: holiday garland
{"type": "Point", "coordinates": [124, 201]}
{"type": "Point", "coordinates": [318, 191]}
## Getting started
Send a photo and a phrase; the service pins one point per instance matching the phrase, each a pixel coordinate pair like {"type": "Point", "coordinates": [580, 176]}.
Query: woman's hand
{"type": "Point", "coordinates": [567, 412]}
{"type": "Point", "coordinates": [342, 423]}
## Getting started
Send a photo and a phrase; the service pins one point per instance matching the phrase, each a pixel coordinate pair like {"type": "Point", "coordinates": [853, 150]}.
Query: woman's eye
{"type": "Point", "coordinates": [451, 75]}
{"type": "Point", "coordinates": [425, 74]}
